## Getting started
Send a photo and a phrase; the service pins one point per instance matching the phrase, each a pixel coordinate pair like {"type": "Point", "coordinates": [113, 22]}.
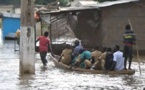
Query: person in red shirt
{"type": "Point", "coordinates": [44, 43]}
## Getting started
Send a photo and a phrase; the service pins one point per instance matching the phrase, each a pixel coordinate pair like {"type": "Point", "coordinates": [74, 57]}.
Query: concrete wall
{"type": "Point", "coordinates": [5, 8]}
{"type": "Point", "coordinates": [114, 19]}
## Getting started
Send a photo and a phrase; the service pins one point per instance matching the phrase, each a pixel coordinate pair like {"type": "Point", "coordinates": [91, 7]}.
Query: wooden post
{"type": "Point", "coordinates": [27, 38]}
{"type": "Point", "coordinates": [41, 27]}
{"type": "Point", "coordinates": [50, 33]}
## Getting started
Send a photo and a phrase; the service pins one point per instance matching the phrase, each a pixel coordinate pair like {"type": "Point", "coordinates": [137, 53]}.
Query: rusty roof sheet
{"type": "Point", "coordinates": [68, 9]}
{"type": "Point", "coordinates": [110, 3]}
{"type": "Point", "coordinates": [99, 5]}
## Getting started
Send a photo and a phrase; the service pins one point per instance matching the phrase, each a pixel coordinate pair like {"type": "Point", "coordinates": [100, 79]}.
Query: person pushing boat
{"type": "Point", "coordinates": [44, 44]}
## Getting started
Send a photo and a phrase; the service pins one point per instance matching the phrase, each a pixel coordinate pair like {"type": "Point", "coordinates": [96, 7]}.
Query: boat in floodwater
{"type": "Point", "coordinates": [64, 66]}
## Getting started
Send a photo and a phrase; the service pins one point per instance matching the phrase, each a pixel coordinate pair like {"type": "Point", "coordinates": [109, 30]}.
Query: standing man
{"type": "Point", "coordinates": [44, 43]}
{"type": "Point", "coordinates": [129, 40]}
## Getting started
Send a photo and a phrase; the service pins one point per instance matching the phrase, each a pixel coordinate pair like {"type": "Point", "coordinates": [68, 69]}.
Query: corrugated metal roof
{"type": "Point", "coordinates": [110, 3]}
{"type": "Point", "coordinates": [99, 5]}
{"type": "Point", "coordinates": [86, 3]}
{"type": "Point", "coordinates": [6, 14]}
{"type": "Point", "coordinates": [62, 10]}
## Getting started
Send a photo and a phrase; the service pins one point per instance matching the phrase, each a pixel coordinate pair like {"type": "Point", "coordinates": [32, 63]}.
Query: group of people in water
{"type": "Point", "coordinates": [97, 59]}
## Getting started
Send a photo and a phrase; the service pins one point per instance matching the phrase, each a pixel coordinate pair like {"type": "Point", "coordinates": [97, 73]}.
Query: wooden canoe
{"type": "Point", "coordinates": [64, 66]}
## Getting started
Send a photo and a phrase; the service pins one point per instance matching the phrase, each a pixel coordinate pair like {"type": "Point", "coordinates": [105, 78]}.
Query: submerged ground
{"type": "Point", "coordinates": [58, 79]}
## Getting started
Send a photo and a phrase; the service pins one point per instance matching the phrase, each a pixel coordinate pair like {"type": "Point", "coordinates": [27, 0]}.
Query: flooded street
{"type": "Point", "coordinates": [58, 79]}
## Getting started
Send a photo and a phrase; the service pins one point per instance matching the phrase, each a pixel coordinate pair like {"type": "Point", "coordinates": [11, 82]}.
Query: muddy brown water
{"type": "Point", "coordinates": [58, 79]}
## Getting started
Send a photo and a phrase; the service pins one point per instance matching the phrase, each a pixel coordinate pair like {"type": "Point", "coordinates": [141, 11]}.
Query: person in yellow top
{"type": "Point", "coordinates": [66, 57]}
{"type": "Point", "coordinates": [99, 59]}
{"type": "Point", "coordinates": [96, 54]}
{"type": "Point", "coordinates": [18, 36]}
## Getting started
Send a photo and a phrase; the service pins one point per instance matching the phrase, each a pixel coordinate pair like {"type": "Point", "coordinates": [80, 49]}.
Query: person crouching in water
{"type": "Point", "coordinates": [83, 60]}
{"type": "Point", "coordinates": [65, 57]}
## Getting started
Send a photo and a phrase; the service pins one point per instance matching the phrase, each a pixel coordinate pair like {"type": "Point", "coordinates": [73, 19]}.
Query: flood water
{"type": "Point", "coordinates": [57, 79]}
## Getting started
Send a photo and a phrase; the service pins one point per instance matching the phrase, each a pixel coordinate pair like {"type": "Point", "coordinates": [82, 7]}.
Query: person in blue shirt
{"type": "Point", "coordinates": [76, 50]}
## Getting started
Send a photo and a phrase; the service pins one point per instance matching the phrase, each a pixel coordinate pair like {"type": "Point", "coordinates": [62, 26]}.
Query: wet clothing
{"type": "Point", "coordinates": [88, 64]}
{"type": "Point", "coordinates": [95, 55]}
{"type": "Point", "coordinates": [101, 63]}
{"type": "Point", "coordinates": [129, 39]}
{"type": "Point", "coordinates": [84, 59]}
{"type": "Point", "coordinates": [108, 60]}
{"type": "Point", "coordinates": [119, 59]}
{"type": "Point", "coordinates": [128, 51]}
{"type": "Point", "coordinates": [43, 43]}
{"type": "Point", "coordinates": [66, 56]}
{"type": "Point", "coordinates": [43, 48]}
{"type": "Point", "coordinates": [85, 55]}
{"type": "Point", "coordinates": [43, 57]}
{"type": "Point", "coordinates": [76, 51]}
{"type": "Point", "coordinates": [98, 64]}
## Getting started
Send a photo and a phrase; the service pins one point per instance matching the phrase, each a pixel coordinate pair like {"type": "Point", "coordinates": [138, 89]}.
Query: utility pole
{"type": "Point", "coordinates": [27, 38]}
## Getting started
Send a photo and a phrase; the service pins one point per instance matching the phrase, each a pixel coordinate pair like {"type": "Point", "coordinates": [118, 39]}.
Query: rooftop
{"type": "Point", "coordinates": [91, 6]}
{"type": "Point", "coordinates": [86, 3]}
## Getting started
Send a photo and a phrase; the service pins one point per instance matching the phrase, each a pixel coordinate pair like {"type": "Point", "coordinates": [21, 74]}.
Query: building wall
{"type": "Point", "coordinates": [88, 28]}
{"type": "Point", "coordinates": [6, 8]}
{"type": "Point", "coordinates": [114, 19]}
{"type": "Point", "coordinates": [10, 25]}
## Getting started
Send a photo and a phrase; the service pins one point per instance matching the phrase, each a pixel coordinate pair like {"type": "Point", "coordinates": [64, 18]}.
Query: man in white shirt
{"type": "Point", "coordinates": [118, 59]}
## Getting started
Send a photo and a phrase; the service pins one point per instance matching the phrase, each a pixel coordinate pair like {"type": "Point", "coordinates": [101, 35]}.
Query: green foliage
{"type": "Point", "coordinates": [104, 0]}
{"type": "Point", "coordinates": [43, 2]}
{"type": "Point", "coordinates": [63, 2]}
{"type": "Point", "coordinates": [40, 2]}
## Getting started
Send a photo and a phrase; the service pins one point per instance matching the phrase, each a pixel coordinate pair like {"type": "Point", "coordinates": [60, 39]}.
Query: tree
{"type": "Point", "coordinates": [45, 2]}
{"type": "Point", "coordinates": [63, 2]}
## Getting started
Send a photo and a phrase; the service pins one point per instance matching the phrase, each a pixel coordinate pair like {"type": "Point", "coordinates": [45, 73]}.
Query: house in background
{"type": "Point", "coordinates": [10, 24]}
